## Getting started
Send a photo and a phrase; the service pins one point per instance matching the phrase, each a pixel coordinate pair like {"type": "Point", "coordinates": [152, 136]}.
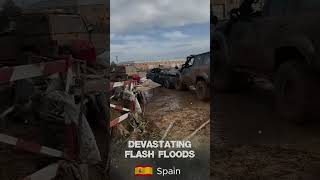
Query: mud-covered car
{"type": "Point", "coordinates": [166, 77]}
{"type": "Point", "coordinates": [274, 39]}
{"type": "Point", "coordinates": [153, 74]}
{"type": "Point", "coordinates": [195, 72]}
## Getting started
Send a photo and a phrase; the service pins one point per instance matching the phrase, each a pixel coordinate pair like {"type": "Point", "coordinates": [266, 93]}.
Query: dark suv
{"type": "Point", "coordinates": [195, 72]}
{"type": "Point", "coordinates": [277, 40]}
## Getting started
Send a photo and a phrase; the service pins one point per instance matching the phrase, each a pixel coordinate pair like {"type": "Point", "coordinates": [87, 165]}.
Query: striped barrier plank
{"type": "Point", "coordinates": [119, 84]}
{"type": "Point", "coordinates": [9, 74]}
{"type": "Point", "coordinates": [119, 108]}
{"type": "Point", "coordinates": [119, 120]}
{"type": "Point", "coordinates": [130, 83]}
{"type": "Point", "coordinates": [30, 146]}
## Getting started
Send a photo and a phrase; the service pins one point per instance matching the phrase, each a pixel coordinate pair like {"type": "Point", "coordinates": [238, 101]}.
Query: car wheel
{"type": "Point", "coordinates": [202, 90]}
{"type": "Point", "coordinates": [293, 82]}
{"type": "Point", "coordinates": [179, 85]}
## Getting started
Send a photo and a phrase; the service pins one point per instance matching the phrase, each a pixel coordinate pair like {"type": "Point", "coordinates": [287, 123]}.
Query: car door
{"type": "Point", "coordinates": [187, 71]}
{"type": "Point", "coordinates": [243, 40]}
{"type": "Point", "coordinates": [203, 69]}
{"type": "Point", "coordinates": [196, 68]}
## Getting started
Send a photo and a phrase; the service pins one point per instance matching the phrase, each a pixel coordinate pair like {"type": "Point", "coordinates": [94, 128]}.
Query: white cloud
{"type": "Point", "coordinates": [120, 37]}
{"type": "Point", "coordinates": [174, 35]}
{"type": "Point", "coordinates": [152, 49]}
{"type": "Point", "coordinates": [147, 29]}
{"type": "Point", "coordinates": [129, 15]}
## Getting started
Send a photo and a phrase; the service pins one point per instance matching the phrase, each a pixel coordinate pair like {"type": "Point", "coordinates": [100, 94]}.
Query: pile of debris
{"type": "Point", "coordinates": [51, 103]}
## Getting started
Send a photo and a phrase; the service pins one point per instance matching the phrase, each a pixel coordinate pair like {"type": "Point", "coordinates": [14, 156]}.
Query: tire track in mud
{"type": "Point", "coordinates": [181, 107]}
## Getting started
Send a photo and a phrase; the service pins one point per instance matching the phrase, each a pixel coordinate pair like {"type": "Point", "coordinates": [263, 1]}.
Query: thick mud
{"type": "Point", "coordinates": [184, 110]}
{"type": "Point", "coordinates": [253, 142]}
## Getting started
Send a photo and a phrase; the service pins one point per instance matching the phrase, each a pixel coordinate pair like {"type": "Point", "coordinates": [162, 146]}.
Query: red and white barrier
{"type": "Point", "coordinates": [123, 83]}
{"type": "Point", "coordinates": [119, 120]}
{"type": "Point", "coordinates": [119, 84]}
{"type": "Point", "coordinates": [134, 104]}
{"type": "Point", "coordinates": [119, 108]}
{"type": "Point", "coordinates": [9, 74]}
{"type": "Point", "coordinates": [30, 146]}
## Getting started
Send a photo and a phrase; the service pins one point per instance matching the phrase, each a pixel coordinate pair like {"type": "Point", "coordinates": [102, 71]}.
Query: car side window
{"type": "Point", "coordinates": [191, 62]}
{"type": "Point", "coordinates": [197, 60]}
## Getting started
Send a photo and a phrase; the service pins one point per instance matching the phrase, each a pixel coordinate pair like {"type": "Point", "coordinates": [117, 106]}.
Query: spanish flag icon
{"type": "Point", "coordinates": [143, 170]}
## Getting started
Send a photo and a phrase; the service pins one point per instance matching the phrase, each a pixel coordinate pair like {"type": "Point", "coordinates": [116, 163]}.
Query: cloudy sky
{"type": "Point", "coordinates": [159, 29]}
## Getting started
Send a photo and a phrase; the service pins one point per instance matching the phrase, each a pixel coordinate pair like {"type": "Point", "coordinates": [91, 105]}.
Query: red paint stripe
{"type": "Point", "coordinates": [5, 74]}
{"type": "Point", "coordinates": [133, 107]}
{"type": "Point", "coordinates": [114, 122]}
{"type": "Point", "coordinates": [143, 166]}
{"type": "Point", "coordinates": [28, 146]}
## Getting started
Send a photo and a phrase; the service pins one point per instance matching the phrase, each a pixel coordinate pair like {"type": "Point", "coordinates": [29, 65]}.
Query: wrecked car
{"type": "Point", "coordinates": [273, 39]}
{"type": "Point", "coordinates": [195, 72]}
{"type": "Point", "coordinates": [168, 77]}
{"type": "Point", "coordinates": [165, 77]}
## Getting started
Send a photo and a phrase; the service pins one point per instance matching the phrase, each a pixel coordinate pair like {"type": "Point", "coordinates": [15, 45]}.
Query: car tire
{"type": "Point", "coordinates": [179, 85]}
{"type": "Point", "coordinates": [293, 89]}
{"type": "Point", "coordinates": [202, 90]}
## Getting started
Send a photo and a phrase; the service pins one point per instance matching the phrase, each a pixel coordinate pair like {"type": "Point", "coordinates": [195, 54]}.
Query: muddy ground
{"type": "Point", "coordinates": [253, 142]}
{"type": "Point", "coordinates": [167, 106]}
{"type": "Point", "coordinates": [184, 109]}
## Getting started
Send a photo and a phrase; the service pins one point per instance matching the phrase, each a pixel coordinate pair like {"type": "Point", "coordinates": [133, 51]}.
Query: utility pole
{"type": "Point", "coordinates": [117, 59]}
